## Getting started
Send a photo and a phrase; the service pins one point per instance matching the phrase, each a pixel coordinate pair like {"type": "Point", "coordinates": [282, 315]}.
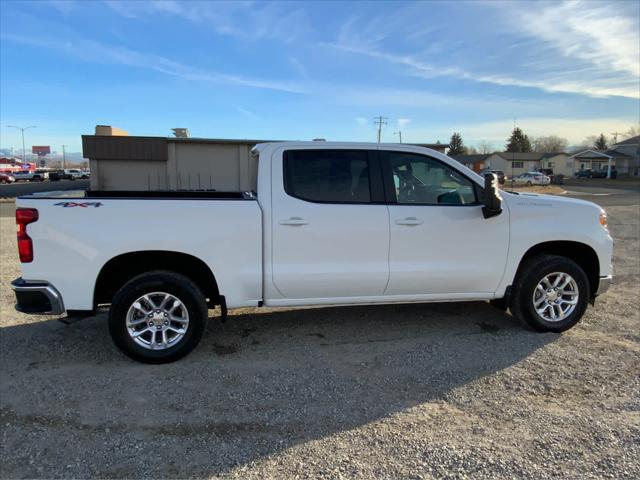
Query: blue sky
{"type": "Point", "coordinates": [294, 70]}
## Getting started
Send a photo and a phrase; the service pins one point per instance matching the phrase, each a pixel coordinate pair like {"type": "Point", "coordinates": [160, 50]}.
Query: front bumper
{"type": "Point", "coordinates": [37, 297]}
{"type": "Point", "coordinates": [604, 284]}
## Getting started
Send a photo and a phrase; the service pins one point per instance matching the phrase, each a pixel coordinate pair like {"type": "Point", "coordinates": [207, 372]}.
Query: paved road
{"type": "Point", "coordinates": [26, 188]}
{"type": "Point", "coordinates": [606, 196]}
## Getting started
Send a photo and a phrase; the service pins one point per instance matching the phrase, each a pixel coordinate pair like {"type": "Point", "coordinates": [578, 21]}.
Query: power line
{"type": "Point", "coordinates": [380, 121]}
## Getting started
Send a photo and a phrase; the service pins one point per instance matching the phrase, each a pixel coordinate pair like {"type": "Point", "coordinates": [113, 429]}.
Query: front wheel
{"type": "Point", "coordinates": [550, 293]}
{"type": "Point", "coordinates": [158, 317]}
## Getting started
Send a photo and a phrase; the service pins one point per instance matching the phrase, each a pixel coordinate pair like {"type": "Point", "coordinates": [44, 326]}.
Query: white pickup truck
{"type": "Point", "coordinates": [330, 223]}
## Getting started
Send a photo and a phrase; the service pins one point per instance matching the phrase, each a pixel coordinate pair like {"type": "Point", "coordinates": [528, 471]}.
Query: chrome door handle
{"type": "Point", "coordinates": [409, 221]}
{"type": "Point", "coordinates": [294, 221]}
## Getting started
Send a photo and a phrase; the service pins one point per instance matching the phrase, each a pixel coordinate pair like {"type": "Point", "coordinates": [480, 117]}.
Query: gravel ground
{"type": "Point", "coordinates": [412, 391]}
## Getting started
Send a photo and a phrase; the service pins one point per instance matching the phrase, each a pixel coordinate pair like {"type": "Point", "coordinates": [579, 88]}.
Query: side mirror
{"type": "Point", "coordinates": [492, 198]}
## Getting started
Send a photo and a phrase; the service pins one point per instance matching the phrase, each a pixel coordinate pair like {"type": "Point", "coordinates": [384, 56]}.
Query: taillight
{"type": "Point", "coordinates": [25, 216]}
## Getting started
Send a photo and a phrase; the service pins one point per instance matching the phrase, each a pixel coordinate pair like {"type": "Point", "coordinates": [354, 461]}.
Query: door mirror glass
{"type": "Point", "coordinates": [492, 198]}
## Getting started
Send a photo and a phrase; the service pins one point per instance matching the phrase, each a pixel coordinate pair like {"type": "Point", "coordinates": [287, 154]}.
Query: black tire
{"type": "Point", "coordinates": [175, 284]}
{"type": "Point", "coordinates": [528, 277]}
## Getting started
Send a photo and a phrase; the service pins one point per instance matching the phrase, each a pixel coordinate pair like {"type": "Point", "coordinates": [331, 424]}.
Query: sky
{"type": "Point", "coordinates": [298, 70]}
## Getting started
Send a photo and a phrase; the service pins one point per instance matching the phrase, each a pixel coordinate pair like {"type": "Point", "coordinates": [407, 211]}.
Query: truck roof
{"type": "Point", "coordinates": [323, 143]}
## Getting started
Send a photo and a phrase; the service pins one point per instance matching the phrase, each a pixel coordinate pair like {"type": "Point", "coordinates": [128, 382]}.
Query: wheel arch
{"type": "Point", "coordinates": [122, 268]}
{"type": "Point", "coordinates": [581, 253]}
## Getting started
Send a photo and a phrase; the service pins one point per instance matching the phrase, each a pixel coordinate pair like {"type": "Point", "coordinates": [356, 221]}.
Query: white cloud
{"type": "Point", "coordinates": [122, 8]}
{"type": "Point", "coordinates": [298, 67]}
{"type": "Point", "coordinates": [573, 129]}
{"type": "Point", "coordinates": [605, 36]}
{"type": "Point", "coordinates": [361, 121]}
{"type": "Point", "coordinates": [560, 82]}
{"type": "Point", "coordinates": [97, 52]}
{"type": "Point", "coordinates": [246, 20]}
{"type": "Point", "coordinates": [403, 122]}
{"type": "Point", "coordinates": [248, 113]}
{"type": "Point", "coordinates": [567, 47]}
{"type": "Point", "coordinates": [63, 6]}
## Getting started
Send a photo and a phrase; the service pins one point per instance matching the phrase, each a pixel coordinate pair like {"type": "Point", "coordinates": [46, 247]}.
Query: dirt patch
{"type": "Point", "coordinates": [546, 189]}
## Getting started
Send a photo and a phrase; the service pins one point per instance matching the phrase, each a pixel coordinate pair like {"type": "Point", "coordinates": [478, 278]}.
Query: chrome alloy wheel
{"type": "Point", "coordinates": [555, 297]}
{"type": "Point", "coordinates": [157, 320]}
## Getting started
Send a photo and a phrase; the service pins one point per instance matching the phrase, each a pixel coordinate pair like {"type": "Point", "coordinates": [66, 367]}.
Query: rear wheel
{"type": "Point", "coordinates": [158, 317]}
{"type": "Point", "coordinates": [550, 293]}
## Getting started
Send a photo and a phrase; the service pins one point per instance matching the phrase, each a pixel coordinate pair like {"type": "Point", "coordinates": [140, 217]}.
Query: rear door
{"type": "Point", "coordinates": [330, 224]}
{"type": "Point", "coordinates": [440, 242]}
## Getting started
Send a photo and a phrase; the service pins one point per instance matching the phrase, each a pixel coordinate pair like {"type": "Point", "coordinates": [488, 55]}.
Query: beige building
{"type": "Point", "coordinates": [159, 163]}
{"type": "Point", "coordinates": [560, 163]}
{"type": "Point", "coordinates": [121, 162]}
{"type": "Point", "coordinates": [514, 164]}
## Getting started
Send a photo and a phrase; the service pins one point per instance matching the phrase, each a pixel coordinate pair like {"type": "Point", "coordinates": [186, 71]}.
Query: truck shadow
{"type": "Point", "coordinates": [257, 385]}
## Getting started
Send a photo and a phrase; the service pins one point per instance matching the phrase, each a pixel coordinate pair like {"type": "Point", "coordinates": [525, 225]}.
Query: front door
{"type": "Point", "coordinates": [330, 224]}
{"type": "Point", "coordinates": [440, 242]}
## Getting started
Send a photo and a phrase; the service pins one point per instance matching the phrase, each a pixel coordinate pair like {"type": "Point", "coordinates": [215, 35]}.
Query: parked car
{"type": "Point", "coordinates": [589, 173]}
{"type": "Point", "coordinates": [55, 175]}
{"type": "Point", "coordinates": [6, 178]}
{"type": "Point", "coordinates": [28, 176]}
{"type": "Point", "coordinates": [499, 174]}
{"type": "Point", "coordinates": [532, 178]}
{"type": "Point", "coordinates": [548, 172]}
{"type": "Point", "coordinates": [73, 174]}
{"type": "Point", "coordinates": [336, 223]}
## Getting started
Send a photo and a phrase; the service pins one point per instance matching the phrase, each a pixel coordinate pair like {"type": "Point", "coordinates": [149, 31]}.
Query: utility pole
{"type": "Point", "coordinates": [380, 121]}
{"type": "Point", "coordinates": [63, 157]}
{"type": "Point", "coordinates": [399, 133]}
{"type": "Point", "coordinates": [24, 152]}
{"type": "Point", "coordinates": [615, 137]}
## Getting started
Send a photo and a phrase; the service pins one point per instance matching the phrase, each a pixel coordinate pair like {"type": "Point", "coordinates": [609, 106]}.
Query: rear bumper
{"type": "Point", "coordinates": [37, 297]}
{"type": "Point", "coordinates": [604, 284]}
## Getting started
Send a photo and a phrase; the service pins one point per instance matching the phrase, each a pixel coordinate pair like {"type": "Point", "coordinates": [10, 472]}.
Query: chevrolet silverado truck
{"type": "Point", "coordinates": [328, 224]}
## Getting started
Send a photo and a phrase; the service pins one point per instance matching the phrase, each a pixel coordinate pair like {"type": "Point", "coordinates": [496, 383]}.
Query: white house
{"type": "Point", "coordinates": [629, 148]}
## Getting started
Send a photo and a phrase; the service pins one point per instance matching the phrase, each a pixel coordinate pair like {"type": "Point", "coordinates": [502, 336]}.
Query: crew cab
{"type": "Point", "coordinates": [329, 223]}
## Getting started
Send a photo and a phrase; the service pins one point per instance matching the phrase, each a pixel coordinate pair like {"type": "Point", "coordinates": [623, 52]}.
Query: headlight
{"type": "Point", "coordinates": [603, 219]}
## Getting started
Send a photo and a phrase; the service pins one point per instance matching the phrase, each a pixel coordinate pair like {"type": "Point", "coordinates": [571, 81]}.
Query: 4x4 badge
{"type": "Point", "coordinates": [78, 204]}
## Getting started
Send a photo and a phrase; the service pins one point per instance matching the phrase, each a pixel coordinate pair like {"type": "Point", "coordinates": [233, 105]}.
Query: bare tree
{"type": "Point", "coordinates": [550, 143]}
{"type": "Point", "coordinates": [470, 150]}
{"type": "Point", "coordinates": [633, 131]}
{"type": "Point", "coordinates": [486, 147]}
{"type": "Point", "coordinates": [586, 144]}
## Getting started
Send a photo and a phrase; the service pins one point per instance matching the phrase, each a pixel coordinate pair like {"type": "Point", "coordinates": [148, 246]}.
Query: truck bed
{"type": "Point", "coordinates": [75, 236]}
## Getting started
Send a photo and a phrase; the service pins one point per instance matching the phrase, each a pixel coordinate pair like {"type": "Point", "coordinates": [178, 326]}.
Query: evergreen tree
{"type": "Point", "coordinates": [600, 143]}
{"type": "Point", "coordinates": [518, 142]}
{"type": "Point", "coordinates": [456, 146]}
